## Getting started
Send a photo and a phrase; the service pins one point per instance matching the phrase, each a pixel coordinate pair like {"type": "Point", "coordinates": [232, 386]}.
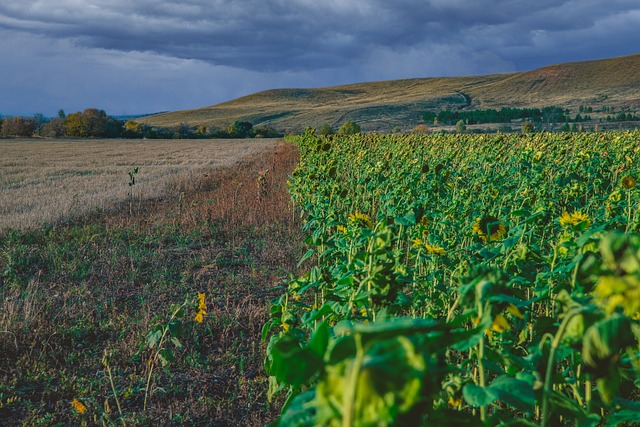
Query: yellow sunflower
{"type": "Point", "coordinates": [574, 218]}
{"type": "Point", "coordinates": [489, 228]}
{"type": "Point", "coordinates": [428, 248]}
{"type": "Point", "coordinates": [360, 217]}
{"type": "Point", "coordinates": [78, 406]}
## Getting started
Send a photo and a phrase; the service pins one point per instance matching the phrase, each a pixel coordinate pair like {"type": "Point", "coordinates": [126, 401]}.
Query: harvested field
{"type": "Point", "coordinates": [80, 303]}
{"type": "Point", "coordinates": [52, 181]}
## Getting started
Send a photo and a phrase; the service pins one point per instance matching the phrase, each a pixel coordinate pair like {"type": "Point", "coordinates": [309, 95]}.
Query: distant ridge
{"type": "Point", "coordinates": [381, 106]}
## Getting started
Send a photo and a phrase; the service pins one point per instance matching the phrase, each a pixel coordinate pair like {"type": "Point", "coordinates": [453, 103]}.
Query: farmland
{"type": "Point", "coordinates": [150, 315]}
{"type": "Point", "coordinates": [45, 181]}
{"type": "Point", "coordinates": [433, 280]}
{"type": "Point", "coordinates": [463, 280]}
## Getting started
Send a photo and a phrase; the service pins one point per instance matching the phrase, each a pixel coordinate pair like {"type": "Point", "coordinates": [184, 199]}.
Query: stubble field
{"type": "Point", "coordinates": [148, 316]}
{"type": "Point", "coordinates": [46, 181]}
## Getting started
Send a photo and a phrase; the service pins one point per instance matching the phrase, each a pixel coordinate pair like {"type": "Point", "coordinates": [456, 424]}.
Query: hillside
{"type": "Point", "coordinates": [384, 105]}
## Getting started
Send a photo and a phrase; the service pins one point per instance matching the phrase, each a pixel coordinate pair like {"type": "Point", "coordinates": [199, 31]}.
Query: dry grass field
{"type": "Point", "coordinates": [81, 300]}
{"type": "Point", "coordinates": [49, 181]}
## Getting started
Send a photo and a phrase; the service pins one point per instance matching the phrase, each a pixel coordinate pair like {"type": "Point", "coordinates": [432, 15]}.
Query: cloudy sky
{"type": "Point", "coordinates": [142, 56]}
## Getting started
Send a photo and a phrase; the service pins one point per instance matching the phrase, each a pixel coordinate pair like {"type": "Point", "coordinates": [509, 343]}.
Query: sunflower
{"type": "Point", "coordinates": [489, 228]}
{"type": "Point", "coordinates": [428, 248]}
{"type": "Point", "coordinates": [78, 406]}
{"type": "Point", "coordinates": [628, 182]}
{"type": "Point", "coordinates": [202, 308]}
{"type": "Point", "coordinates": [360, 217]}
{"type": "Point", "coordinates": [574, 218]}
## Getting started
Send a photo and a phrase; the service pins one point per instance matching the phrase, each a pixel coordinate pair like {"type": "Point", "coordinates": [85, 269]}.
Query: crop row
{"type": "Point", "coordinates": [463, 280]}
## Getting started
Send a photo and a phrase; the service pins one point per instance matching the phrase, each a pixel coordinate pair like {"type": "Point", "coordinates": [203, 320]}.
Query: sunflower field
{"type": "Point", "coordinates": [463, 280]}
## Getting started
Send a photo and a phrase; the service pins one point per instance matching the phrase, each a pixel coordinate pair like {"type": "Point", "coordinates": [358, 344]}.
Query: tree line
{"type": "Point", "coordinates": [504, 115]}
{"type": "Point", "coordinates": [95, 123]}
{"type": "Point", "coordinates": [550, 114]}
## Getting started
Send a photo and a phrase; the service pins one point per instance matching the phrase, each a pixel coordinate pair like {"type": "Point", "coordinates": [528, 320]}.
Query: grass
{"type": "Point", "coordinates": [43, 181]}
{"type": "Point", "coordinates": [380, 106]}
{"type": "Point", "coordinates": [78, 301]}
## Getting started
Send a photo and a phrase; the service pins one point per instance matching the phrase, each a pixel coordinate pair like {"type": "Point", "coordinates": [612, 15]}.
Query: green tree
{"type": "Point", "coordinates": [527, 127]}
{"type": "Point", "coordinates": [326, 129]}
{"type": "Point", "coordinates": [241, 129]}
{"type": "Point", "coordinates": [349, 128]}
{"type": "Point", "coordinates": [92, 123]}
{"type": "Point", "coordinates": [460, 126]}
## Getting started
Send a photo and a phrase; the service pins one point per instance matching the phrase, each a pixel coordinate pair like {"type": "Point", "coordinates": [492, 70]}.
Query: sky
{"type": "Point", "coordinates": [146, 56]}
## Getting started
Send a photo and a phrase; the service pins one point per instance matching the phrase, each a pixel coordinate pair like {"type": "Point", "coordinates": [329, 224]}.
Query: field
{"type": "Point", "coordinates": [463, 280]}
{"type": "Point", "coordinates": [150, 316]}
{"type": "Point", "coordinates": [477, 280]}
{"type": "Point", "coordinates": [44, 181]}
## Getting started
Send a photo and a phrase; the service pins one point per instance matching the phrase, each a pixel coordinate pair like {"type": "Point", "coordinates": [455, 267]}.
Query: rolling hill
{"type": "Point", "coordinates": [384, 105]}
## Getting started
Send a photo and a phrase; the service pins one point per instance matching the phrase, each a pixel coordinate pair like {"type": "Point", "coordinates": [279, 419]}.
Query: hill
{"type": "Point", "coordinates": [381, 106]}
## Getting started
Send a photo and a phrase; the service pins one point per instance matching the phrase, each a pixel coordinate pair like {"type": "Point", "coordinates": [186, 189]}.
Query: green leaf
{"type": "Point", "coordinates": [623, 416]}
{"type": "Point", "coordinates": [306, 256]}
{"type": "Point", "coordinates": [176, 329]}
{"type": "Point", "coordinates": [608, 386]}
{"type": "Point", "coordinates": [290, 363]}
{"type": "Point", "coordinates": [604, 340]}
{"type": "Point", "coordinates": [154, 336]}
{"type": "Point", "coordinates": [408, 220]}
{"type": "Point", "coordinates": [401, 325]}
{"type": "Point", "coordinates": [166, 356]}
{"type": "Point", "coordinates": [515, 393]}
{"type": "Point", "coordinates": [477, 396]}
{"type": "Point", "coordinates": [298, 412]}
{"type": "Point", "coordinates": [320, 340]}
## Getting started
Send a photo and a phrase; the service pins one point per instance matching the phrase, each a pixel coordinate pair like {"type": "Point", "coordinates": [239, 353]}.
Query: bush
{"type": "Point", "coordinates": [421, 130]}
{"type": "Point", "coordinates": [349, 128]}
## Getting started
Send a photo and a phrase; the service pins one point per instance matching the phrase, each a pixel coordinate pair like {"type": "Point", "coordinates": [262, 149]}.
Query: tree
{"type": "Point", "coordinates": [18, 126]}
{"type": "Point", "coordinates": [421, 130]}
{"type": "Point", "coordinates": [133, 129]}
{"type": "Point", "coordinates": [527, 127]}
{"type": "Point", "coordinates": [326, 129]}
{"type": "Point", "coordinates": [241, 129]}
{"type": "Point", "coordinates": [92, 123]}
{"type": "Point", "coordinates": [54, 128]}
{"type": "Point", "coordinates": [460, 126]}
{"type": "Point", "coordinates": [349, 128]}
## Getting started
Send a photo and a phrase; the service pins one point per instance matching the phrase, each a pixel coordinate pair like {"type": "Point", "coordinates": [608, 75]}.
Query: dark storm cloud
{"type": "Point", "coordinates": [135, 56]}
{"type": "Point", "coordinates": [275, 35]}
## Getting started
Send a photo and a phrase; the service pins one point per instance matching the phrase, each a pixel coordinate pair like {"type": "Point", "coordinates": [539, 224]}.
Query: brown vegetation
{"type": "Point", "coordinates": [97, 286]}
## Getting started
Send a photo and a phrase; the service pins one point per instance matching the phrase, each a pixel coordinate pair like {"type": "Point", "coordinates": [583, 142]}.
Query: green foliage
{"type": "Point", "coordinates": [493, 277]}
{"type": "Point", "coordinates": [505, 115]}
{"type": "Point", "coordinates": [241, 129]}
{"type": "Point", "coordinates": [92, 123]}
{"type": "Point", "coordinates": [349, 128]}
{"type": "Point", "coordinates": [326, 129]}
{"type": "Point", "coordinates": [527, 127]}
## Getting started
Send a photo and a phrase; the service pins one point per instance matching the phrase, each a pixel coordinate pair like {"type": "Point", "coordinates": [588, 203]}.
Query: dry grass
{"type": "Point", "coordinates": [69, 293]}
{"type": "Point", "coordinates": [382, 105]}
{"type": "Point", "coordinates": [49, 181]}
